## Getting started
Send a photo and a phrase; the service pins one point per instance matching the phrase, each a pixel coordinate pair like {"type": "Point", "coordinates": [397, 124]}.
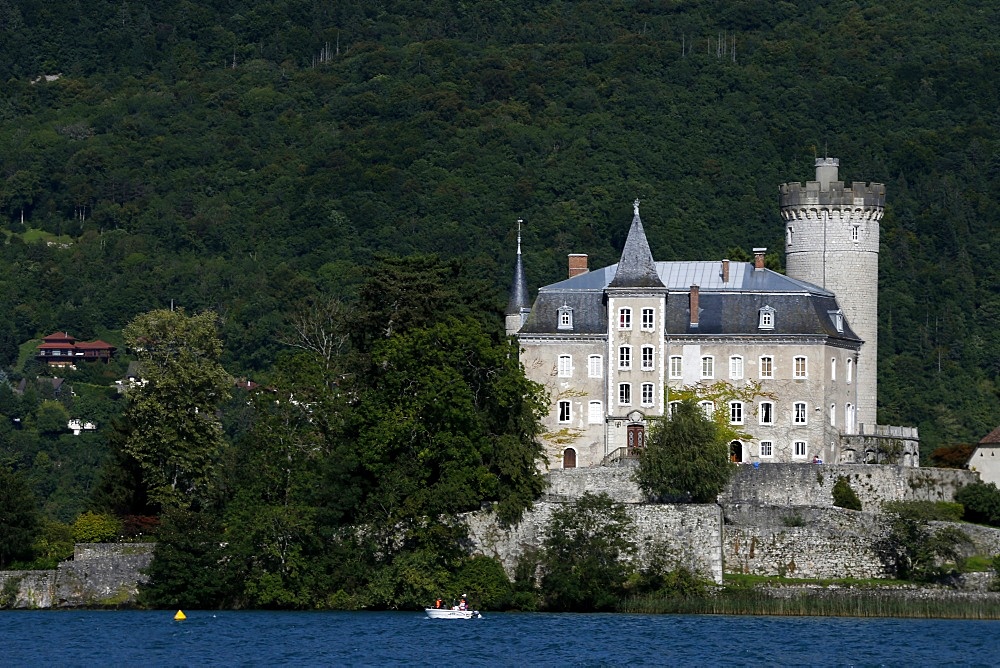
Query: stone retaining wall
{"type": "Point", "coordinates": [27, 589]}
{"type": "Point", "coordinates": [801, 542]}
{"type": "Point", "coordinates": [691, 535]}
{"type": "Point", "coordinates": [812, 484]}
{"type": "Point", "coordinates": [99, 574]}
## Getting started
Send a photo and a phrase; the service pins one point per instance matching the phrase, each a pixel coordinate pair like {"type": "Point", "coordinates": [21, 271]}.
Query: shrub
{"type": "Point", "coordinates": [93, 528]}
{"type": "Point", "coordinates": [940, 511]}
{"type": "Point", "coordinates": [844, 495]}
{"type": "Point", "coordinates": [981, 502]}
{"type": "Point", "coordinates": [911, 550]}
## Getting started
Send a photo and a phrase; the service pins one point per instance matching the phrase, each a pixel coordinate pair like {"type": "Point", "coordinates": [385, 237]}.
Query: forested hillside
{"type": "Point", "coordinates": [246, 156]}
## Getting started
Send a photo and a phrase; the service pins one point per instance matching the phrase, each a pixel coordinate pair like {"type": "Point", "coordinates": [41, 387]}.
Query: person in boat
{"type": "Point", "coordinates": [437, 604]}
{"type": "Point", "coordinates": [462, 605]}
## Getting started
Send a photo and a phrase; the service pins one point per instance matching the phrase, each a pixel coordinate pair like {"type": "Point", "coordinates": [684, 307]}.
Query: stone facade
{"type": "Point", "coordinates": [100, 574]}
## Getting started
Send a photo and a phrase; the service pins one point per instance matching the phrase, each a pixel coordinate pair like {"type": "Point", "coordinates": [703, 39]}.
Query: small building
{"type": "Point", "coordinates": [61, 349]}
{"type": "Point", "coordinates": [985, 458]}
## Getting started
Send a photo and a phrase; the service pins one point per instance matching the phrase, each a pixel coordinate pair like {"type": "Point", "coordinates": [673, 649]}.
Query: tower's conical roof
{"type": "Point", "coordinates": [519, 286]}
{"type": "Point", "coordinates": [636, 269]}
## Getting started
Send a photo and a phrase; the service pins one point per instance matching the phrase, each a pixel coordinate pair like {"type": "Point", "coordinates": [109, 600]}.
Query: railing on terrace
{"type": "Point", "coordinates": [621, 456]}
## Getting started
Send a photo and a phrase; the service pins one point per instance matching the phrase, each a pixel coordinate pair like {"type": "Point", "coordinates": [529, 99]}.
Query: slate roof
{"type": "Point", "coordinates": [636, 268]}
{"type": "Point", "coordinates": [519, 298]}
{"type": "Point", "coordinates": [725, 308]}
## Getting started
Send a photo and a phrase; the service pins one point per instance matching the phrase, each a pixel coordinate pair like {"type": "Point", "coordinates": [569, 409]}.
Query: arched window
{"type": "Point", "coordinates": [565, 369]}
{"type": "Point", "coordinates": [625, 357]}
{"type": "Point", "coordinates": [736, 452]}
{"type": "Point", "coordinates": [569, 458]}
{"type": "Point", "coordinates": [850, 369]}
{"type": "Point", "coordinates": [647, 394]}
{"type": "Point", "coordinates": [648, 353]}
{"type": "Point", "coordinates": [736, 367]}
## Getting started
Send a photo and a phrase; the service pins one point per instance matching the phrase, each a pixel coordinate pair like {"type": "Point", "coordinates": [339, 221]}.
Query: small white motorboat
{"type": "Point", "coordinates": [452, 613]}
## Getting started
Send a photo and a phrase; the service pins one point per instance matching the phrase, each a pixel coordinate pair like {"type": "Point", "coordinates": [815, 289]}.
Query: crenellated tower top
{"type": "Point", "coordinates": [827, 191]}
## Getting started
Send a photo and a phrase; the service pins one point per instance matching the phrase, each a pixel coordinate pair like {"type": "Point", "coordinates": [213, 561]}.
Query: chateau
{"type": "Point", "coordinates": [791, 359]}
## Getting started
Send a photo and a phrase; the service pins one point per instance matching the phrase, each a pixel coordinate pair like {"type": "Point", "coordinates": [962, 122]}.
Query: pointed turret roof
{"type": "Point", "coordinates": [519, 287]}
{"type": "Point", "coordinates": [636, 268]}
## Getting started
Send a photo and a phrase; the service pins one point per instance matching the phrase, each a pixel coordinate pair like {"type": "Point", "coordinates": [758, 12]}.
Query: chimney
{"type": "Point", "coordinates": [577, 264]}
{"type": "Point", "coordinates": [758, 258]}
{"type": "Point", "coordinates": [725, 271]}
{"type": "Point", "coordinates": [694, 306]}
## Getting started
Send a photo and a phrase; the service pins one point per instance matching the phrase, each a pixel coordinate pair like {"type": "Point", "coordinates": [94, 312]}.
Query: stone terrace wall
{"type": "Point", "coordinates": [830, 543]}
{"type": "Point", "coordinates": [34, 589]}
{"type": "Point", "coordinates": [99, 574]}
{"type": "Point", "coordinates": [103, 574]}
{"type": "Point", "coordinates": [615, 481]}
{"type": "Point", "coordinates": [691, 534]}
{"type": "Point", "coordinates": [812, 484]}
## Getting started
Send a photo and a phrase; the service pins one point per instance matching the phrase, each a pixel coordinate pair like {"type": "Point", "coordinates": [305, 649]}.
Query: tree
{"type": "Point", "coordinates": [685, 458]}
{"type": "Point", "coordinates": [18, 517]}
{"type": "Point", "coordinates": [91, 527]}
{"type": "Point", "coordinates": [844, 495]}
{"type": "Point", "coordinates": [176, 436]}
{"type": "Point", "coordinates": [189, 567]}
{"type": "Point", "coordinates": [446, 421]}
{"type": "Point", "coordinates": [585, 552]}
{"type": "Point", "coordinates": [912, 550]}
{"type": "Point", "coordinates": [981, 502]}
{"type": "Point", "coordinates": [51, 417]}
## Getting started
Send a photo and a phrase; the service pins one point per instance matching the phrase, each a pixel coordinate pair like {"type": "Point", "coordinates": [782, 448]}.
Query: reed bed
{"type": "Point", "coordinates": [825, 603]}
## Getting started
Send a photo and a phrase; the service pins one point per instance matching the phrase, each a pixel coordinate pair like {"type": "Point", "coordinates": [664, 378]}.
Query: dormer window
{"type": "Point", "coordinates": [565, 318]}
{"type": "Point", "coordinates": [837, 317]}
{"type": "Point", "coordinates": [766, 318]}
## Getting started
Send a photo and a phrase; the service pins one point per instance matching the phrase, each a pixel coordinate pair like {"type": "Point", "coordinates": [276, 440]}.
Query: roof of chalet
{"type": "Point", "coordinates": [59, 336]}
{"type": "Point", "coordinates": [992, 438]}
{"type": "Point", "coordinates": [95, 345]}
{"type": "Point", "coordinates": [725, 307]}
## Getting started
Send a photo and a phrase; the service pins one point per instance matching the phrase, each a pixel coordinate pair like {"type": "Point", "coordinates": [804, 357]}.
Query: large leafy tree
{"type": "Point", "coordinates": [175, 434]}
{"type": "Point", "coordinates": [585, 556]}
{"type": "Point", "coordinates": [445, 422]}
{"type": "Point", "coordinates": [686, 458]}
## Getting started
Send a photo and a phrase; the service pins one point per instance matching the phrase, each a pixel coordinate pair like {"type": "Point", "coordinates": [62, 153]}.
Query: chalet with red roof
{"type": "Point", "coordinates": [62, 349]}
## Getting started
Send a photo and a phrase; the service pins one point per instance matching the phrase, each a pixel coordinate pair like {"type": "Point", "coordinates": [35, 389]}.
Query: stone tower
{"type": "Point", "coordinates": [831, 240]}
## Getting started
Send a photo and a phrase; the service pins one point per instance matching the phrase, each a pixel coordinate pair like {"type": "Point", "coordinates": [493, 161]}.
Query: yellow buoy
{"type": "Point", "coordinates": [180, 615]}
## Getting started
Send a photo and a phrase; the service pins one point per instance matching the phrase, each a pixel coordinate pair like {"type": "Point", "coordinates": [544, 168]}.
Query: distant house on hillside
{"type": "Point", "coordinates": [61, 349]}
{"type": "Point", "coordinates": [985, 459]}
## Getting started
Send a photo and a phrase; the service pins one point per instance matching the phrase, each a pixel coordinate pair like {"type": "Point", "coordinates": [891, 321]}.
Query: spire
{"type": "Point", "coordinates": [519, 287]}
{"type": "Point", "coordinates": [636, 269]}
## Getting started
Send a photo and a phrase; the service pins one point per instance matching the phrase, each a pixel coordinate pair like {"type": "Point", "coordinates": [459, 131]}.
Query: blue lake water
{"type": "Point", "coordinates": [129, 638]}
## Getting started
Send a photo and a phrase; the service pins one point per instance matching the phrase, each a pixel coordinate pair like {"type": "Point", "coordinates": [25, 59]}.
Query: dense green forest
{"type": "Point", "coordinates": [253, 158]}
